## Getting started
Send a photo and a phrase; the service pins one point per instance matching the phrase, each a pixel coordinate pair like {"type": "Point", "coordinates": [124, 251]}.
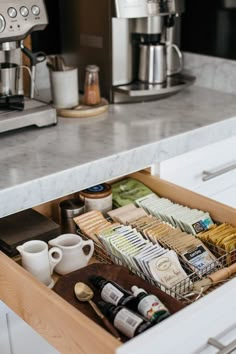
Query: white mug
{"type": "Point", "coordinates": [39, 261]}
{"type": "Point", "coordinates": [65, 88]}
{"type": "Point", "coordinates": [72, 247]}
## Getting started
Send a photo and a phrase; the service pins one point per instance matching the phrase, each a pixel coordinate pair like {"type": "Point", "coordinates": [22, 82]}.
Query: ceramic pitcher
{"type": "Point", "coordinates": [74, 257]}
{"type": "Point", "coordinates": [39, 261]}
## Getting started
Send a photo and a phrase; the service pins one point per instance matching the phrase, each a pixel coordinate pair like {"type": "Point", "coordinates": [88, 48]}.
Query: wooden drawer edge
{"type": "Point", "coordinates": [63, 326]}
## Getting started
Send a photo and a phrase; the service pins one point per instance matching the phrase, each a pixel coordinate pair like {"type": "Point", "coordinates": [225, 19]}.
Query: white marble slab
{"type": "Point", "coordinates": [211, 72]}
{"type": "Point", "coordinates": [39, 165]}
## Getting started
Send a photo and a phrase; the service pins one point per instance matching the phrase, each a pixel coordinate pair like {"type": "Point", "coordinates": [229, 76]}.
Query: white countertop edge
{"type": "Point", "coordinates": [65, 182]}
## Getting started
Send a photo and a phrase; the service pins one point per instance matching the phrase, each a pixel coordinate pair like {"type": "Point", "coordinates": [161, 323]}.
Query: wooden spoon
{"type": "Point", "coordinates": [85, 294]}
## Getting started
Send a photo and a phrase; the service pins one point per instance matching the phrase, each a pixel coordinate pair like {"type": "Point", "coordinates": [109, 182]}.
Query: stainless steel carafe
{"type": "Point", "coordinates": [153, 62]}
{"type": "Point", "coordinates": [152, 66]}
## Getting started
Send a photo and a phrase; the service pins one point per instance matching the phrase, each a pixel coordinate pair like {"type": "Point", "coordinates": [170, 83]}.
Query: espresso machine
{"type": "Point", "coordinates": [17, 20]}
{"type": "Point", "coordinates": [134, 42]}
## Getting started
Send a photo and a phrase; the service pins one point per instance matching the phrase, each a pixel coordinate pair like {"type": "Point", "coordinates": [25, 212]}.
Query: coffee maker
{"type": "Point", "coordinates": [17, 20]}
{"type": "Point", "coordinates": [134, 42]}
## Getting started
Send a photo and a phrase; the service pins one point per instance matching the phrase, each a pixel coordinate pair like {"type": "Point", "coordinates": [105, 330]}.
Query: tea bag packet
{"type": "Point", "coordinates": [127, 191]}
{"type": "Point", "coordinates": [199, 258]}
{"type": "Point", "coordinates": [116, 213]}
{"type": "Point", "coordinates": [167, 270]}
{"type": "Point", "coordinates": [224, 238]}
{"type": "Point", "coordinates": [190, 220]}
{"type": "Point", "coordinates": [89, 222]}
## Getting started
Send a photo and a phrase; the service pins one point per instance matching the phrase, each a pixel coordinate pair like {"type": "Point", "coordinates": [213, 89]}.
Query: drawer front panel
{"type": "Point", "coordinates": [188, 170]}
{"type": "Point", "coordinates": [189, 330]}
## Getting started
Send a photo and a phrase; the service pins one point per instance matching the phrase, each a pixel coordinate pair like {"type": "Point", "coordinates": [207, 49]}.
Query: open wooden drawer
{"type": "Point", "coordinates": [64, 327]}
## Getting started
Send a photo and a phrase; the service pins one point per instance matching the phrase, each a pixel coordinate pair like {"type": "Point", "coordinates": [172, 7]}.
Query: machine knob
{"type": "Point", "coordinates": [12, 12]}
{"type": "Point", "coordinates": [24, 11]}
{"type": "Point", "coordinates": [2, 23]}
{"type": "Point", "coordinates": [35, 10]}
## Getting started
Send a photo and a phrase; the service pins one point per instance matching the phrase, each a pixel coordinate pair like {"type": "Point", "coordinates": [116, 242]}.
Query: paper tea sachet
{"type": "Point", "coordinates": [192, 221]}
{"type": "Point", "coordinates": [167, 270]}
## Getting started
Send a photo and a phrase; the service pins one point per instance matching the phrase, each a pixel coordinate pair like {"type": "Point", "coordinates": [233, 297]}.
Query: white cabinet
{"type": "Point", "coordinates": [210, 171]}
{"type": "Point", "coordinates": [16, 337]}
{"type": "Point", "coordinates": [189, 330]}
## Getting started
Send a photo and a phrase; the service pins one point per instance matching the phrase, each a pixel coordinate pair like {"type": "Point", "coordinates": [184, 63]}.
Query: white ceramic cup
{"type": "Point", "coordinates": [74, 257]}
{"type": "Point", "coordinates": [65, 88]}
{"type": "Point", "coordinates": [39, 261]}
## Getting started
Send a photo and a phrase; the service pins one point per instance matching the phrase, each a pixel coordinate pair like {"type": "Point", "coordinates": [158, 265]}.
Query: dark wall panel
{"type": "Point", "coordinates": [209, 27]}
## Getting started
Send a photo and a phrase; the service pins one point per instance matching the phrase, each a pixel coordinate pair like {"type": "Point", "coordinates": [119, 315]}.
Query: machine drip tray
{"type": "Point", "coordinates": [139, 89]}
{"type": "Point", "coordinates": [35, 113]}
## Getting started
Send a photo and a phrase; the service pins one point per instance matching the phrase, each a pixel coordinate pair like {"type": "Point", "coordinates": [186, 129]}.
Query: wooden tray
{"type": "Point", "coordinates": [65, 287]}
{"type": "Point", "coordinates": [83, 111]}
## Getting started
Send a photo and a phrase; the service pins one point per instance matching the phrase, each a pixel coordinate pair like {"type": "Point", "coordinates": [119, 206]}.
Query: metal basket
{"type": "Point", "coordinates": [179, 290]}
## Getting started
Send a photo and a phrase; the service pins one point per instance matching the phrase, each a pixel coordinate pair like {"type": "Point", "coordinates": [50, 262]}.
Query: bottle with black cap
{"type": "Point", "coordinates": [149, 306]}
{"type": "Point", "coordinates": [113, 293]}
{"type": "Point", "coordinates": [126, 321]}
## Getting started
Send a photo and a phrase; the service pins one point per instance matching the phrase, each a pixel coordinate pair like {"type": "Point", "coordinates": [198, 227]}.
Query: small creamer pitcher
{"type": "Point", "coordinates": [74, 257]}
{"type": "Point", "coordinates": [39, 261]}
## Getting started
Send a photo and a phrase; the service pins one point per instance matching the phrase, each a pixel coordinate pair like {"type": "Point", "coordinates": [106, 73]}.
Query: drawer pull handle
{"type": "Point", "coordinates": [207, 175]}
{"type": "Point", "coordinates": [223, 349]}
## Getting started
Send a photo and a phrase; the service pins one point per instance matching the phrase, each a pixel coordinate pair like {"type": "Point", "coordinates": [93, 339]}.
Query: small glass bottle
{"type": "Point", "coordinates": [113, 293]}
{"type": "Point", "coordinates": [149, 306]}
{"type": "Point", "coordinates": [126, 321]}
{"type": "Point", "coordinates": [92, 95]}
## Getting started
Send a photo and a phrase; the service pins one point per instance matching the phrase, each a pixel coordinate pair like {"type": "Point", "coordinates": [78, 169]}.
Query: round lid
{"type": "Point", "coordinates": [92, 68]}
{"type": "Point", "coordinates": [97, 192]}
{"type": "Point", "coordinates": [71, 207]}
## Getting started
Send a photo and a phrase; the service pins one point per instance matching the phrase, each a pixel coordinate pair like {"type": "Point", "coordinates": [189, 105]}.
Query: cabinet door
{"type": "Point", "coordinates": [189, 330]}
{"type": "Point", "coordinates": [5, 338]}
{"type": "Point", "coordinates": [16, 337]}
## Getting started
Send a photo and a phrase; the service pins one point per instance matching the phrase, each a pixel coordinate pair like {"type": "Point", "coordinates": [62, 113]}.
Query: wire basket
{"type": "Point", "coordinates": [182, 288]}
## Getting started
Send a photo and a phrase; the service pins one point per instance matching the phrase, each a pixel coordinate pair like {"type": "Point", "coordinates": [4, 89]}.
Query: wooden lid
{"type": "Point", "coordinates": [97, 192]}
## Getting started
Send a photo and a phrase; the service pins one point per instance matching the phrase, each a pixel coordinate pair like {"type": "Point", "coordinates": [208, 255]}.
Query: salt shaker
{"type": "Point", "coordinates": [92, 95]}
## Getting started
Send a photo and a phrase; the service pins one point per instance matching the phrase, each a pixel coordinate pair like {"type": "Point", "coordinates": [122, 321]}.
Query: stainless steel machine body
{"type": "Point", "coordinates": [17, 20]}
{"type": "Point", "coordinates": [108, 33]}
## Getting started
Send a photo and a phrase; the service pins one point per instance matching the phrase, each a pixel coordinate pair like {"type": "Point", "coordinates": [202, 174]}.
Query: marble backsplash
{"type": "Point", "coordinates": [211, 72]}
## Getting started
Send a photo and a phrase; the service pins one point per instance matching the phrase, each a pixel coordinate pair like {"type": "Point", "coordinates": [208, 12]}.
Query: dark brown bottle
{"type": "Point", "coordinates": [125, 320]}
{"type": "Point", "coordinates": [113, 293]}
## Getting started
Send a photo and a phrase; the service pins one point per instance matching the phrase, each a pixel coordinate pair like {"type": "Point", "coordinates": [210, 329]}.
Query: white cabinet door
{"type": "Point", "coordinates": [5, 340]}
{"type": "Point", "coordinates": [189, 330]}
{"type": "Point", "coordinates": [17, 337]}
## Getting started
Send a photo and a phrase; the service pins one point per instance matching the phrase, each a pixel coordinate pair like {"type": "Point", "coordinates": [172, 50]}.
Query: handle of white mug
{"type": "Point", "coordinates": [180, 55]}
{"type": "Point", "coordinates": [55, 255]}
{"type": "Point", "coordinates": [91, 244]}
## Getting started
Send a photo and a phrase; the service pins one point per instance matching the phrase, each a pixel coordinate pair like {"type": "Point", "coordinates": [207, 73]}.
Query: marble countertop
{"type": "Point", "coordinates": [39, 165]}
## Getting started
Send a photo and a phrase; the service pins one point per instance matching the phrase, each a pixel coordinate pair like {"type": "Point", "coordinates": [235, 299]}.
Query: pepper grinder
{"type": "Point", "coordinates": [70, 208]}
